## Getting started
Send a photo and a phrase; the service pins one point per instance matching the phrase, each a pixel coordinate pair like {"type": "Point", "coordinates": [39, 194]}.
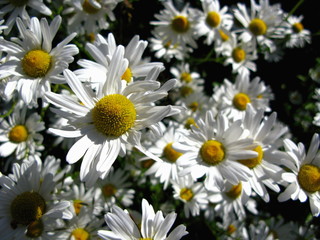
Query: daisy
{"type": "Point", "coordinates": [126, 108]}
{"type": "Point", "coordinates": [192, 194]}
{"type": "Point", "coordinates": [20, 134]}
{"type": "Point", "coordinates": [212, 20]}
{"type": "Point", "coordinates": [303, 180]}
{"type": "Point", "coordinates": [176, 27]}
{"type": "Point", "coordinates": [33, 64]}
{"type": "Point", "coordinates": [18, 9]}
{"type": "Point", "coordinates": [28, 204]}
{"type": "Point", "coordinates": [153, 225]}
{"type": "Point", "coordinates": [212, 149]}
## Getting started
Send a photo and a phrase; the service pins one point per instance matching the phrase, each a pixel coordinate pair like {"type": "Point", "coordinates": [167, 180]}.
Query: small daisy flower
{"type": "Point", "coordinates": [109, 120]}
{"type": "Point", "coordinates": [33, 64]}
{"type": "Point", "coordinates": [28, 204]}
{"type": "Point", "coordinates": [298, 36]}
{"type": "Point", "coordinates": [18, 9]}
{"type": "Point", "coordinates": [212, 149]}
{"type": "Point", "coordinates": [213, 19]}
{"type": "Point", "coordinates": [153, 225]}
{"type": "Point", "coordinates": [176, 27]}
{"type": "Point", "coordinates": [303, 180]}
{"type": "Point", "coordinates": [20, 135]}
{"type": "Point", "coordinates": [192, 194]}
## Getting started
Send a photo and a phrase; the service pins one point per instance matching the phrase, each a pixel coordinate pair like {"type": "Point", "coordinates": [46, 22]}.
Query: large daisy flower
{"type": "Point", "coordinates": [303, 180]}
{"type": "Point", "coordinates": [33, 64]}
{"type": "Point", "coordinates": [111, 118]}
{"type": "Point", "coordinates": [153, 225]}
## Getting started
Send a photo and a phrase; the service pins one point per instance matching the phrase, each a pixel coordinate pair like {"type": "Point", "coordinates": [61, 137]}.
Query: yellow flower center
{"type": "Point", "coordinates": [258, 27]}
{"type": "Point", "coordinates": [109, 190]}
{"type": "Point", "coordinates": [194, 106]}
{"type": "Point", "coordinates": [185, 91]}
{"type": "Point", "coordinates": [147, 163]}
{"type": "Point", "coordinates": [90, 37]}
{"type": "Point", "coordinates": [27, 208]}
{"type": "Point", "coordinates": [170, 154]}
{"type": "Point", "coordinates": [186, 77]}
{"type": "Point", "coordinates": [297, 27]}
{"type": "Point", "coordinates": [114, 115]}
{"type": "Point", "coordinates": [212, 152]}
{"type": "Point", "coordinates": [213, 19]}
{"type": "Point", "coordinates": [238, 54]}
{"type": "Point", "coordinates": [309, 178]}
{"type": "Point", "coordinates": [180, 24]}
{"type": "Point", "coordinates": [240, 101]}
{"type": "Point", "coordinates": [18, 3]}
{"type": "Point", "coordinates": [36, 63]}
{"type": "Point", "coordinates": [88, 8]}
{"type": "Point", "coordinates": [127, 75]}
{"type": "Point", "coordinates": [186, 194]}
{"type": "Point", "coordinates": [80, 234]}
{"type": "Point", "coordinates": [223, 35]}
{"type": "Point", "coordinates": [145, 238]}
{"type": "Point", "coordinates": [35, 229]}
{"type": "Point", "coordinates": [253, 162]}
{"type": "Point", "coordinates": [78, 204]}
{"type": "Point", "coordinates": [235, 191]}
{"type": "Point", "coordinates": [18, 134]}
{"type": "Point", "coordinates": [190, 121]}
{"type": "Point", "coordinates": [231, 229]}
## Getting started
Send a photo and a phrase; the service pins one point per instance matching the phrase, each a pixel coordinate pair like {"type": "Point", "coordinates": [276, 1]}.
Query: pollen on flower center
{"type": "Point", "coordinates": [109, 190]}
{"type": "Point", "coordinates": [180, 24]}
{"type": "Point", "coordinates": [297, 27]}
{"type": "Point", "coordinates": [213, 19]}
{"type": "Point", "coordinates": [127, 75]}
{"type": "Point", "coordinates": [78, 204]}
{"type": "Point", "coordinates": [170, 154]}
{"type": "Point", "coordinates": [18, 3]}
{"type": "Point", "coordinates": [193, 106]}
{"type": "Point", "coordinates": [231, 229]}
{"type": "Point", "coordinates": [88, 8]}
{"type": "Point", "coordinates": [185, 91]}
{"type": "Point", "coordinates": [258, 27]}
{"type": "Point", "coordinates": [18, 134]}
{"type": "Point", "coordinates": [186, 77]}
{"type": "Point", "coordinates": [35, 229]}
{"type": "Point", "coordinates": [235, 191]}
{"type": "Point", "coordinates": [309, 178]}
{"type": "Point", "coordinates": [36, 63]}
{"type": "Point", "coordinates": [27, 208]}
{"type": "Point", "coordinates": [114, 115]}
{"type": "Point", "coordinates": [190, 121]}
{"type": "Point", "coordinates": [238, 54]}
{"type": "Point", "coordinates": [240, 101]}
{"type": "Point", "coordinates": [253, 162]}
{"type": "Point", "coordinates": [145, 238]}
{"type": "Point", "coordinates": [212, 152]}
{"type": "Point", "coordinates": [80, 234]}
{"type": "Point", "coordinates": [223, 35]}
{"type": "Point", "coordinates": [186, 194]}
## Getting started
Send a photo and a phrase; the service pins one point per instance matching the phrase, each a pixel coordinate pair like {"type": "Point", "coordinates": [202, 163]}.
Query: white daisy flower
{"type": "Point", "coordinates": [212, 149]}
{"type": "Point", "coordinates": [297, 35]}
{"type": "Point", "coordinates": [192, 194]}
{"type": "Point", "coordinates": [176, 27]}
{"type": "Point", "coordinates": [28, 204]}
{"type": "Point", "coordinates": [89, 16]}
{"type": "Point", "coordinates": [33, 64]}
{"type": "Point", "coordinates": [212, 20]}
{"type": "Point", "coordinates": [153, 225]}
{"type": "Point", "coordinates": [20, 134]}
{"type": "Point", "coordinates": [18, 9]}
{"type": "Point", "coordinates": [303, 180]}
{"type": "Point", "coordinates": [108, 120]}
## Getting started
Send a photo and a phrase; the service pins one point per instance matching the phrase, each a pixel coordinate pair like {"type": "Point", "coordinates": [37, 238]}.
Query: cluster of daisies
{"type": "Point", "coordinates": [92, 136]}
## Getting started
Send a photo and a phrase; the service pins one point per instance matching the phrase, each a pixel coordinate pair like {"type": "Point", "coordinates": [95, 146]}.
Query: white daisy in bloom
{"type": "Point", "coordinates": [241, 55]}
{"type": "Point", "coordinates": [259, 230]}
{"type": "Point", "coordinates": [20, 133]}
{"type": "Point", "coordinates": [259, 22]}
{"type": "Point", "coordinates": [212, 20]}
{"type": "Point", "coordinates": [153, 225]}
{"type": "Point", "coordinates": [109, 120]}
{"type": "Point", "coordinates": [116, 189]}
{"type": "Point", "coordinates": [176, 27]}
{"type": "Point", "coordinates": [266, 169]}
{"type": "Point", "coordinates": [166, 169]}
{"type": "Point", "coordinates": [33, 64]}
{"type": "Point", "coordinates": [233, 98]}
{"type": "Point", "coordinates": [297, 35]}
{"type": "Point", "coordinates": [212, 149]}
{"type": "Point", "coordinates": [28, 204]}
{"type": "Point", "coordinates": [303, 180]}
{"type": "Point", "coordinates": [192, 194]}
{"type": "Point", "coordinates": [19, 9]}
{"type": "Point", "coordinates": [89, 16]}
